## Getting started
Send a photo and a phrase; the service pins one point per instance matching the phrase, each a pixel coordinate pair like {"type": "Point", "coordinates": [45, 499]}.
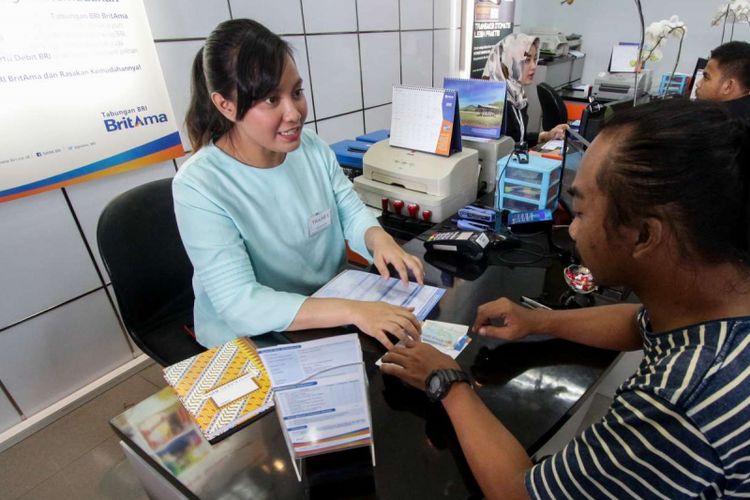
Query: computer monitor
{"type": "Point", "coordinates": [697, 75]}
{"type": "Point", "coordinates": [575, 145]}
{"type": "Point", "coordinates": [595, 115]}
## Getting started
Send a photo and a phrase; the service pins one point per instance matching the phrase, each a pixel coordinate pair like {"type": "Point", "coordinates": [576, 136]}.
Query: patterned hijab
{"type": "Point", "coordinates": [506, 63]}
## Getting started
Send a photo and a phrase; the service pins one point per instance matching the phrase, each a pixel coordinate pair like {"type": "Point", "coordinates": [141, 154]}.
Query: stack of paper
{"type": "Point", "coordinates": [222, 387]}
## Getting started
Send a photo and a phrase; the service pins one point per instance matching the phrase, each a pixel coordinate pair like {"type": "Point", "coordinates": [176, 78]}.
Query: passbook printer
{"type": "Point", "coordinates": [551, 42]}
{"type": "Point", "coordinates": [439, 184]}
{"type": "Point", "coordinates": [490, 150]}
{"type": "Point", "coordinates": [615, 86]}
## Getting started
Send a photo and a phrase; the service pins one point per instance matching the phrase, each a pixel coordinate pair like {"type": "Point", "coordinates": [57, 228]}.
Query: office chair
{"type": "Point", "coordinates": [150, 271]}
{"type": "Point", "coordinates": [554, 111]}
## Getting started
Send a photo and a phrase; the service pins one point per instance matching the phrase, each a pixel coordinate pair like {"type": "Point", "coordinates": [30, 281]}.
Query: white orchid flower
{"type": "Point", "coordinates": [657, 33]}
{"type": "Point", "coordinates": [734, 10]}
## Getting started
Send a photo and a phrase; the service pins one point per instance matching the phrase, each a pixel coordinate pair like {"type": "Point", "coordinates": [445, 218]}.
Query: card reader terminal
{"type": "Point", "coordinates": [469, 244]}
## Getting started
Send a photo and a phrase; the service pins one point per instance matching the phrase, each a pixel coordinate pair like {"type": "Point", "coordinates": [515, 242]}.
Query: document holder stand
{"type": "Point", "coordinates": [352, 438]}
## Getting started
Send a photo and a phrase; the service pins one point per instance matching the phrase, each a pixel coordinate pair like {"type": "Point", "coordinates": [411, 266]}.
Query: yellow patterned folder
{"type": "Point", "coordinates": [223, 386]}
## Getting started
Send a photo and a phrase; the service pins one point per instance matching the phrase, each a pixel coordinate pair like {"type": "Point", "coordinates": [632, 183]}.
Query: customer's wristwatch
{"type": "Point", "coordinates": [439, 382]}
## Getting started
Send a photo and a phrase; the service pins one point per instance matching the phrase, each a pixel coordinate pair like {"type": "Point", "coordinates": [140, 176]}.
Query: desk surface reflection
{"type": "Point", "coordinates": [532, 387]}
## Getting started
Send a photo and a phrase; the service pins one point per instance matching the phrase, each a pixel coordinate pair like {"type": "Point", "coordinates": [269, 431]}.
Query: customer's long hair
{"type": "Point", "coordinates": [686, 162]}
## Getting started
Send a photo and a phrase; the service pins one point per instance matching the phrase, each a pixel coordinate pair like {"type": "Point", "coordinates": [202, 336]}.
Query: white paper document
{"type": "Point", "coordinates": [324, 414]}
{"type": "Point", "coordinates": [294, 363]}
{"type": "Point", "coordinates": [553, 144]}
{"type": "Point", "coordinates": [359, 285]}
{"type": "Point", "coordinates": [320, 391]}
{"type": "Point", "coordinates": [624, 57]}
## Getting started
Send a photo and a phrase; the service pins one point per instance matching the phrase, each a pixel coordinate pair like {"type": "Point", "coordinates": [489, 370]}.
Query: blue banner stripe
{"type": "Point", "coordinates": [155, 146]}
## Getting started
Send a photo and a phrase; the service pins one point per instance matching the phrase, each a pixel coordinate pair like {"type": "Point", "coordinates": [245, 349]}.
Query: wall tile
{"type": "Point", "coordinates": [44, 260]}
{"type": "Point", "coordinates": [172, 19]}
{"type": "Point", "coordinates": [416, 14]}
{"type": "Point", "coordinates": [8, 415]}
{"type": "Point", "coordinates": [377, 15]}
{"type": "Point", "coordinates": [47, 358]}
{"type": "Point", "coordinates": [176, 61]}
{"type": "Point", "coordinates": [377, 118]}
{"type": "Point", "coordinates": [380, 66]}
{"type": "Point", "coordinates": [446, 55]}
{"type": "Point", "coordinates": [300, 57]}
{"type": "Point", "coordinates": [416, 58]}
{"type": "Point", "coordinates": [341, 127]}
{"type": "Point", "coordinates": [279, 16]}
{"type": "Point", "coordinates": [136, 351]}
{"type": "Point", "coordinates": [334, 68]}
{"type": "Point", "coordinates": [90, 198]}
{"type": "Point", "coordinates": [447, 13]}
{"type": "Point", "coordinates": [326, 16]}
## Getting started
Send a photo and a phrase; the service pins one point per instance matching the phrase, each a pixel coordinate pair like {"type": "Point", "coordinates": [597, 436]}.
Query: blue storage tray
{"type": "Point", "coordinates": [375, 136]}
{"type": "Point", "coordinates": [350, 153]}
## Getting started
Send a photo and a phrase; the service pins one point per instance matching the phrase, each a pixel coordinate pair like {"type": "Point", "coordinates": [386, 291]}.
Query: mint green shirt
{"type": "Point", "coordinates": [252, 236]}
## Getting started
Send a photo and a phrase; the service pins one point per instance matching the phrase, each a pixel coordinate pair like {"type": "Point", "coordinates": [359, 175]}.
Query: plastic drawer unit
{"type": "Point", "coordinates": [527, 186]}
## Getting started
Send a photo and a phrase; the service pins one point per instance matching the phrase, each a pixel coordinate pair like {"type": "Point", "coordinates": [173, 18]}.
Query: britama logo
{"type": "Point", "coordinates": [133, 122]}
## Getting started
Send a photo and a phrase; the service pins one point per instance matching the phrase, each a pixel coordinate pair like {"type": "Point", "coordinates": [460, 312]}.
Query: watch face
{"type": "Point", "coordinates": [434, 385]}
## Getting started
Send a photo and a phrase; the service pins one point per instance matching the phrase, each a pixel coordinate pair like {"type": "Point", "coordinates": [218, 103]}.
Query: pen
{"type": "Point", "coordinates": [533, 304]}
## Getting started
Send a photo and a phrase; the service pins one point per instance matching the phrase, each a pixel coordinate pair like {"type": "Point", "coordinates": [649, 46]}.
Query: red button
{"type": "Point", "coordinates": [427, 215]}
{"type": "Point", "coordinates": [384, 204]}
{"type": "Point", "coordinates": [413, 209]}
{"type": "Point", "coordinates": [398, 205]}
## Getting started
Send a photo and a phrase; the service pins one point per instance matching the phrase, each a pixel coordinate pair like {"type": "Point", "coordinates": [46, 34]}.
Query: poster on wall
{"type": "Point", "coordinates": [493, 21]}
{"type": "Point", "coordinates": [82, 94]}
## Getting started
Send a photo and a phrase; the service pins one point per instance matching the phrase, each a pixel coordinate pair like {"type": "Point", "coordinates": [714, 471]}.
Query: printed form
{"type": "Point", "coordinates": [359, 285]}
{"type": "Point", "coordinates": [321, 393]}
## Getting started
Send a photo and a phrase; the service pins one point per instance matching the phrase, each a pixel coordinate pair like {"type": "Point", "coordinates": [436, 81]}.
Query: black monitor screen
{"type": "Point", "coordinates": [592, 122]}
{"type": "Point", "coordinates": [575, 147]}
{"type": "Point", "coordinates": [701, 64]}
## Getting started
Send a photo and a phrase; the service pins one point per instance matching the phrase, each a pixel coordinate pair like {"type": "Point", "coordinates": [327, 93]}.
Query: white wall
{"type": "Point", "coordinates": [58, 331]}
{"type": "Point", "coordinates": [603, 23]}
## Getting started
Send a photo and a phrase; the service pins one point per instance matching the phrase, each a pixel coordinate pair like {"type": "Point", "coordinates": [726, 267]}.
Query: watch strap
{"type": "Point", "coordinates": [447, 377]}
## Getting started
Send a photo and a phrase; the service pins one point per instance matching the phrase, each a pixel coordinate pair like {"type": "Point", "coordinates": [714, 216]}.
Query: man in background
{"type": "Point", "coordinates": [726, 78]}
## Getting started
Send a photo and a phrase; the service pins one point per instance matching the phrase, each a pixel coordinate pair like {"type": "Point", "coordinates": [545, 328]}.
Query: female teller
{"type": "Point", "coordinates": [514, 60]}
{"type": "Point", "coordinates": [263, 207]}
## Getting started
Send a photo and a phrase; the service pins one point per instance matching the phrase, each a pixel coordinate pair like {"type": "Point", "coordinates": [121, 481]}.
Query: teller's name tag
{"type": "Point", "coordinates": [319, 222]}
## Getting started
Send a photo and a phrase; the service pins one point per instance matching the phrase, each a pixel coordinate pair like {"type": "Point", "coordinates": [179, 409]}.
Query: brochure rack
{"type": "Point", "coordinates": [321, 396]}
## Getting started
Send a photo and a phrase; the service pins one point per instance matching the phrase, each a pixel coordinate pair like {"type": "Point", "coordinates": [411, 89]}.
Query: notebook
{"type": "Point", "coordinates": [222, 387]}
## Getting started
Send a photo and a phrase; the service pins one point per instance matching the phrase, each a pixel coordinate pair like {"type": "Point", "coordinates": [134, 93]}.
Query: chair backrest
{"type": "Point", "coordinates": [553, 107]}
{"type": "Point", "coordinates": [150, 271]}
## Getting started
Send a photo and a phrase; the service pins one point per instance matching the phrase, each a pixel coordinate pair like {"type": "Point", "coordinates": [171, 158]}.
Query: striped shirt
{"type": "Point", "coordinates": [679, 427]}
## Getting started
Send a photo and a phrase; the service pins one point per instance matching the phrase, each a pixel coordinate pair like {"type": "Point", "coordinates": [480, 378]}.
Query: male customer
{"type": "Point", "coordinates": [650, 216]}
{"type": "Point", "coordinates": [726, 78]}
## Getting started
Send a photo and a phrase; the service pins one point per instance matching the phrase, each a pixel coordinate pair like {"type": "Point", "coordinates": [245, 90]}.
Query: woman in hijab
{"type": "Point", "coordinates": [514, 60]}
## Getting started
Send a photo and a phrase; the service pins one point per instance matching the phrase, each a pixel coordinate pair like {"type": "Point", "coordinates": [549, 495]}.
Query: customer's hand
{"type": "Point", "coordinates": [517, 321]}
{"type": "Point", "coordinates": [377, 319]}
{"type": "Point", "coordinates": [386, 251]}
{"type": "Point", "coordinates": [556, 133]}
{"type": "Point", "coordinates": [414, 361]}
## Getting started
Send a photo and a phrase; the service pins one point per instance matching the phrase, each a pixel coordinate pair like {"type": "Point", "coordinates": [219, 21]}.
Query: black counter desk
{"type": "Point", "coordinates": [533, 387]}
